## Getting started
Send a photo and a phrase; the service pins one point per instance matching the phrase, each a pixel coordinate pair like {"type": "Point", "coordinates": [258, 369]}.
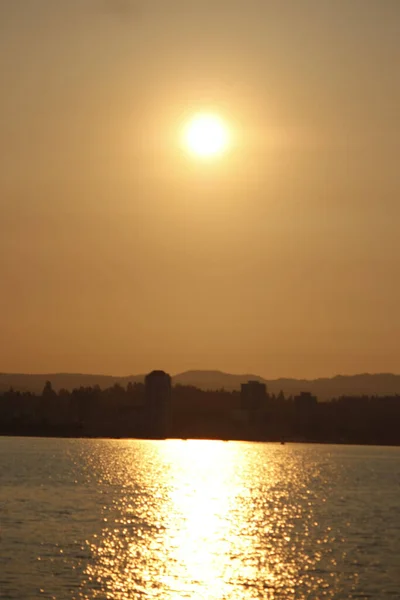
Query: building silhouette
{"type": "Point", "coordinates": [157, 403]}
{"type": "Point", "coordinates": [305, 401]}
{"type": "Point", "coordinates": [253, 395]}
{"type": "Point", "coordinates": [305, 414]}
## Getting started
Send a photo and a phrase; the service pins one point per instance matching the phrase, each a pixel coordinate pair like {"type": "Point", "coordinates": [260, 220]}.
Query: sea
{"type": "Point", "coordinates": [197, 519]}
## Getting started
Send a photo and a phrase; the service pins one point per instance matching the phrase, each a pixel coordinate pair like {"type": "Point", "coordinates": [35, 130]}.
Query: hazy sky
{"type": "Point", "coordinates": [120, 253]}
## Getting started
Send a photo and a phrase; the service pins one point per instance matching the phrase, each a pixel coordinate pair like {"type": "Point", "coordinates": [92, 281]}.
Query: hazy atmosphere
{"type": "Point", "coordinates": [122, 249]}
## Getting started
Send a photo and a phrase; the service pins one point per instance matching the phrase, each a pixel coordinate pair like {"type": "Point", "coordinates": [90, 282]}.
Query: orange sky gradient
{"type": "Point", "coordinates": [120, 252]}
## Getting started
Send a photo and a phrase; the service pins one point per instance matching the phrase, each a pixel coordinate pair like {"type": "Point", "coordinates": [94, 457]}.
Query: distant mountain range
{"type": "Point", "coordinates": [324, 388]}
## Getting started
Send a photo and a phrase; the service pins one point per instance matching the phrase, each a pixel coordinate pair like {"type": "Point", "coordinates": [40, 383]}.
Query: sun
{"type": "Point", "coordinates": [206, 135]}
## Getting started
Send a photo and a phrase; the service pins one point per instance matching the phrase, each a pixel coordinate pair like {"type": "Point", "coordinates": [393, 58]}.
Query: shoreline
{"type": "Point", "coordinates": [214, 439]}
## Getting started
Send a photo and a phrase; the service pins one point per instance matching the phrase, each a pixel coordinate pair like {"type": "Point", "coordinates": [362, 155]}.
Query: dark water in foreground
{"type": "Point", "coordinates": [197, 519]}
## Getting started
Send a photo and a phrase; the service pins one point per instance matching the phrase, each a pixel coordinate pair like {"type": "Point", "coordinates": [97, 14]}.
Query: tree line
{"type": "Point", "coordinates": [120, 411]}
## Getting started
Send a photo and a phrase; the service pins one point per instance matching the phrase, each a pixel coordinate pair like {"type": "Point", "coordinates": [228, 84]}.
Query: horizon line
{"type": "Point", "coordinates": [216, 371]}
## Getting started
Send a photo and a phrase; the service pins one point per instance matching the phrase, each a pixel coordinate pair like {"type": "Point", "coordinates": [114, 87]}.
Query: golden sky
{"type": "Point", "coordinates": [120, 252]}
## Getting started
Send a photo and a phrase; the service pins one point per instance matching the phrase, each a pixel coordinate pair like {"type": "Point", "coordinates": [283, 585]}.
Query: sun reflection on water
{"type": "Point", "coordinates": [198, 533]}
{"type": "Point", "coordinates": [207, 519]}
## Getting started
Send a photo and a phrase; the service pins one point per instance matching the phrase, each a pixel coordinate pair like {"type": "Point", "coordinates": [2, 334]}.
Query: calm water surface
{"type": "Point", "coordinates": [197, 519]}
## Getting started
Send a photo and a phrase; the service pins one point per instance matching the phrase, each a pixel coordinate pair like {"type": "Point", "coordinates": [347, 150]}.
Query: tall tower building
{"type": "Point", "coordinates": [253, 395]}
{"type": "Point", "coordinates": [157, 403]}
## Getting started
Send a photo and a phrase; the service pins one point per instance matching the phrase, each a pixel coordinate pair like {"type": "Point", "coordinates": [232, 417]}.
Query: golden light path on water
{"type": "Point", "coordinates": [208, 519]}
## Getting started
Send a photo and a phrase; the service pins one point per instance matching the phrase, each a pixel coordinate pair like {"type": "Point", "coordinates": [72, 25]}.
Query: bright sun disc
{"type": "Point", "coordinates": [206, 135]}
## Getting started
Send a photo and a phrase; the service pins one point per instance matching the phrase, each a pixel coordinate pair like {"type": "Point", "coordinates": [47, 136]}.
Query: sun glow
{"type": "Point", "coordinates": [206, 135]}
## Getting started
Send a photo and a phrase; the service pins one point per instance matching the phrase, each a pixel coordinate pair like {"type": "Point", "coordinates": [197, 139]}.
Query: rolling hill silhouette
{"type": "Point", "coordinates": [324, 388]}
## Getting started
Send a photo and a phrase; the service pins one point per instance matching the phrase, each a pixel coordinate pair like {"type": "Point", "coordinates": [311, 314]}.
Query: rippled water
{"type": "Point", "coordinates": [197, 519]}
